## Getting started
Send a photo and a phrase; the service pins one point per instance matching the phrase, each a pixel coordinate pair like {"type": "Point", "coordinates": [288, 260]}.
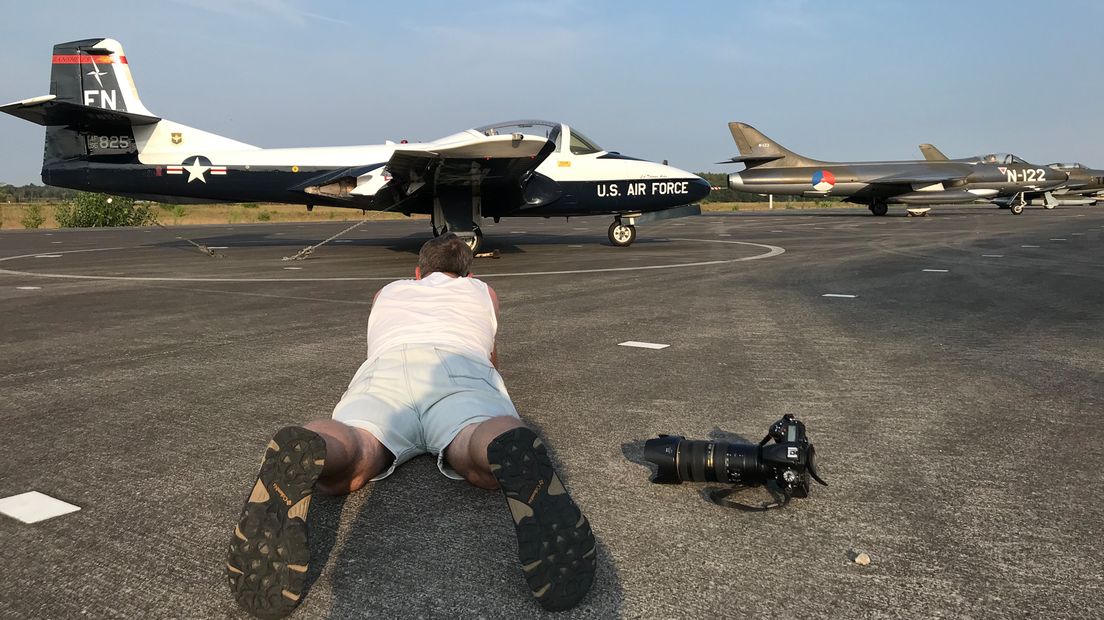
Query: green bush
{"type": "Point", "coordinates": [264, 216]}
{"type": "Point", "coordinates": [178, 211]}
{"type": "Point", "coordinates": [90, 210]}
{"type": "Point", "coordinates": [250, 205]}
{"type": "Point", "coordinates": [32, 216]}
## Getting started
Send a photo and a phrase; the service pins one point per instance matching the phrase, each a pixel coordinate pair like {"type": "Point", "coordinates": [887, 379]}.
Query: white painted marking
{"type": "Point", "coordinates": [218, 247]}
{"type": "Point", "coordinates": [778, 231]}
{"type": "Point", "coordinates": [936, 270]}
{"type": "Point", "coordinates": [49, 234]}
{"type": "Point", "coordinates": [993, 255]}
{"type": "Point", "coordinates": [28, 288]}
{"type": "Point", "coordinates": [1029, 246]}
{"type": "Point", "coordinates": [147, 231]}
{"type": "Point", "coordinates": [1057, 239]}
{"type": "Point", "coordinates": [56, 242]}
{"type": "Point", "coordinates": [642, 345]}
{"type": "Point", "coordinates": [48, 256]}
{"type": "Point", "coordinates": [344, 241]}
{"type": "Point", "coordinates": [840, 295]}
{"type": "Point", "coordinates": [517, 232]}
{"type": "Point", "coordinates": [278, 234]}
{"type": "Point", "coordinates": [723, 235]}
{"type": "Point", "coordinates": [772, 251]}
{"type": "Point", "coordinates": [1077, 234]}
{"type": "Point", "coordinates": [580, 229]}
{"type": "Point", "coordinates": [293, 268]}
{"type": "Point", "coordinates": [574, 246]}
{"type": "Point", "coordinates": [32, 507]}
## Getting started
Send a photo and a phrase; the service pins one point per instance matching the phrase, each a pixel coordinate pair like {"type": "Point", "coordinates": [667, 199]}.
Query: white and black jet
{"type": "Point", "coordinates": [100, 137]}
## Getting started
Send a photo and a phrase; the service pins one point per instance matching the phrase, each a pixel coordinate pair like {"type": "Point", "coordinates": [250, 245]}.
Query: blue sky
{"type": "Point", "coordinates": [659, 80]}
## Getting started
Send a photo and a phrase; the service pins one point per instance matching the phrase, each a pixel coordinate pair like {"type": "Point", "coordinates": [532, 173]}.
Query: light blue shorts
{"type": "Point", "coordinates": [416, 399]}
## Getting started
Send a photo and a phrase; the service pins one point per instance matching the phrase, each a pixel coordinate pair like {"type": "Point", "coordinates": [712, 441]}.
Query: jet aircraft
{"type": "Point", "coordinates": [1084, 186]}
{"type": "Point", "coordinates": [100, 137]}
{"type": "Point", "coordinates": [772, 169]}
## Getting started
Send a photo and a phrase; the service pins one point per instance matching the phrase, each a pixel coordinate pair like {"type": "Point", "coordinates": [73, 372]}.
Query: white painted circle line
{"type": "Point", "coordinates": [772, 250]}
{"type": "Point", "coordinates": [47, 255]}
{"type": "Point", "coordinates": [936, 270]}
{"type": "Point", "coordinates": [840, 295]}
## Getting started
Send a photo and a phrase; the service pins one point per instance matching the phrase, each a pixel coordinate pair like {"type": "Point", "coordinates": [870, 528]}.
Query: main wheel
{"type": "Point", "coordinates": [475, 242]}
{"type": "Point", "coordinates": [1017, 209]}
{"type": "Point", "coordinates": [879, 208]}
{"type": "Point", "coordinates": [622, 235]}
{"type": "Point", "coordinates": [1050, 206]}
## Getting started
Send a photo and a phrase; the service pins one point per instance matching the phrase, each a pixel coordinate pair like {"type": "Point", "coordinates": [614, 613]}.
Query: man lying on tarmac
{"type": "Point", "coordinates": [430, 384]}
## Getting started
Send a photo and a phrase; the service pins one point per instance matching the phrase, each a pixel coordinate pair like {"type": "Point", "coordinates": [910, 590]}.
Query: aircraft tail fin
{"type": "Point", "coordinates": [759, 151]}
{"type": "Point", "coordinates": [931, 153]}
{"type": "Point", "coordinates": [93, 113]}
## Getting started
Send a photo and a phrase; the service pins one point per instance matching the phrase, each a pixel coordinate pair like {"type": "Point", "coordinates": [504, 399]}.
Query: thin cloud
{"type": "Point", "coordinates": [284, 10]}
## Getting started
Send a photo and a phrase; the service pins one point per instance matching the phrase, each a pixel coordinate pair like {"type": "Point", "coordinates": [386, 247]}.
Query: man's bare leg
{"type": "Point", "coordinates": [555, 543]}
{"type": "Point", "coordinates": [269, 555]}
{"type": "Point", "coordinates": [353, 457]}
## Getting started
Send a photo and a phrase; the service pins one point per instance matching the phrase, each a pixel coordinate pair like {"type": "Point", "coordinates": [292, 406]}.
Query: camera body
{"type": "Point", "coordinates": [789, 461]}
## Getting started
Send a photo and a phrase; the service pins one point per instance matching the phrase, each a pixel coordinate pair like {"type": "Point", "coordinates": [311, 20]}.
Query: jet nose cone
{"type": "Point", "coordinates": [735, 181]}
{"type": "Point", "coordinates": [699, 189]}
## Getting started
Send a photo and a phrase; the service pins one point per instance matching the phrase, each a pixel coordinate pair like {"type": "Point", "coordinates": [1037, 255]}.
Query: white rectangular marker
{"type": "Point", "coordinates": [1029, 246]}
{"type": "Point", "coordinates": [32, 507]}
{"type": "Point", "coordinates": [218, 247]}
{"type": "Point", "coordinates": [574, 246]}
{"type": "Point", "coordinates": [344, 241]}
{"type": "Point", "coordinates": [993, 255]}
{"type": "Point", "coordinates": [1057, 239]}
{"type": "Point", "coordinates": [936, 270]}
{"type": "Point", "coordinates": [723, 235]}
{"type": "Point", "coordinates": [517, 232]}
{"type": "Point", "coordinates": [840, 295]}
{"type": "Point", "coordinates": [28, 288]}
{"type": "Point", "coordinates": [55, 242]}
{"type": "Point", "coordinates": [1077, 233]}
{"type": "Point", "coordinates": [293, 268]}
{"type": "Point", "coordinates": [48, 256]}
{"type": "Point", "coordinates": [580, 229]}
{"type": "Point", "coordinates": [642, 345]}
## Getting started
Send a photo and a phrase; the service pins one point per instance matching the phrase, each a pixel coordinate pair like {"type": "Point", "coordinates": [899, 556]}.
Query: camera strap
{"type": "Point", "coordinates": [720, 497]}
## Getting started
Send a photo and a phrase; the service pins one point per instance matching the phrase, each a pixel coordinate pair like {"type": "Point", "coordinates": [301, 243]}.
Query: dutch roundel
{"type": "Point", "coordinates": [823, 180]}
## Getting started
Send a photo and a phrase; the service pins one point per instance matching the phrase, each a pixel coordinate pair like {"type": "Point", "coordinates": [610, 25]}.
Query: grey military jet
{"type": "Point", "coordinates": [1083, 187]}
{"type": "Point", "coordinates": [772, 169]}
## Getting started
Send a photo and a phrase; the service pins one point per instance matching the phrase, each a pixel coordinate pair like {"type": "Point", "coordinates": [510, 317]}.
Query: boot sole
{"type": "Point", "coordinates": [269, 553]}
{"type": "Point", "coordinates": [555, 543]}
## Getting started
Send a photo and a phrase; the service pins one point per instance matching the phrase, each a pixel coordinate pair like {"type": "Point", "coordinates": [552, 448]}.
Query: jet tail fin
{"type": "Point", "coordinates": [759, 151]}
{"type": "Point", "coordinates": [931, 153]}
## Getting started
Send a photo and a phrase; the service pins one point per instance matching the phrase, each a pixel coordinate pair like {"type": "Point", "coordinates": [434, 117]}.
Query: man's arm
{"type": "Point", "coordinates": [494, 345]}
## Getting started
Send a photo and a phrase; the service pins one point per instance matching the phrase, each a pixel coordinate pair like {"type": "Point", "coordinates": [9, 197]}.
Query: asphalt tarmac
{"type": "Point", "coordinates": [954, 398]}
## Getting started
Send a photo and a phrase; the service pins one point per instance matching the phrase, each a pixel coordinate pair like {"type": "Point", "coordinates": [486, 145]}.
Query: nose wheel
{"type": "Point", "coordinates": [620, 234]}
{"type": "Point", "coordinates": [473, 238]}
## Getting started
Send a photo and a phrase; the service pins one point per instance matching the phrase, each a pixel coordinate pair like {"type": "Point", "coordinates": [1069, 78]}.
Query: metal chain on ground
{"type": "Point", "coordinates": [202, 248]}
{"type": "Point", "coordinates": [305, 252]}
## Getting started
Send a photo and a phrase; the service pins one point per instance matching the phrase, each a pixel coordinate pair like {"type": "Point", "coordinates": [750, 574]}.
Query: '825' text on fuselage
{"type": "Point", "coordinates": [644, 188]}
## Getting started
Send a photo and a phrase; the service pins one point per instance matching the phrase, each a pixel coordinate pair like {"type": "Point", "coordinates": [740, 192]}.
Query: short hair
{"type": "Point", "coordinates": [447, 253]}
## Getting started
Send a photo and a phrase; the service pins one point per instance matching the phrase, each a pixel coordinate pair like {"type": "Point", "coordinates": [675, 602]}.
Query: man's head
{"type": "Point", "coordinates": [446, 254]}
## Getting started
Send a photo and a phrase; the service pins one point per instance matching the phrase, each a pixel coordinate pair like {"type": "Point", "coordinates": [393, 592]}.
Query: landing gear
{"type": "Point", "coordinates": [1017, 209]}
{"type": "Point", "coordinates": [620, 234]}
{"type": "Point", "coordinates": [1018, 203]}
{"type": "Point", "coordinates": [879, 208]}
{"type": "Point", "coordinates": [1049, 205]}
{"type": "Point", "coordinates": [474, 239]}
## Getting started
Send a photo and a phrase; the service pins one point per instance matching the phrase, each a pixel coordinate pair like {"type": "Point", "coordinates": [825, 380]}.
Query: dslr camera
{"type": "Point", "coordinates": [789, 462]}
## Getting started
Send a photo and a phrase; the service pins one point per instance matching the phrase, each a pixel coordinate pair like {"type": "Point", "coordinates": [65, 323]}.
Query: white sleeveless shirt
{"type": "Point", "coordinates": [438, 310]}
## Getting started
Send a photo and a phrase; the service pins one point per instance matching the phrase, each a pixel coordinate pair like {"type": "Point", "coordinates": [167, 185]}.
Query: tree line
{"type": "Point", "coordinates": [34, 193]}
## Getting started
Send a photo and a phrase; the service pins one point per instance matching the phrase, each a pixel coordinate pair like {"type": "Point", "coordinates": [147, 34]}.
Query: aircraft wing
{"type": "Point", "coordinates": [919, 177]}
{"type": "Point", "coordinates": [491, 167]}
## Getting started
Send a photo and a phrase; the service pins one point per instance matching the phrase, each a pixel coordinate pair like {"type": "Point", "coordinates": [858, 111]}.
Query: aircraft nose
{"type": "Point", "coordinates": [735, 181]}
{"type": "Point", "coordinates": [699, 189]}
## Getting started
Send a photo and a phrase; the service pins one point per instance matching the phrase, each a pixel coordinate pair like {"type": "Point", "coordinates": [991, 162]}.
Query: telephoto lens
{"type": "Point", "coordinates": [678, 459]}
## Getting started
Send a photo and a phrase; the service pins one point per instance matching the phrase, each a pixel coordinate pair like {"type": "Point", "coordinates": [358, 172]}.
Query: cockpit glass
{"type": "Point", "coordinates": [581, 145]}
{"type": "Point", "coordinates": [541, 129]}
